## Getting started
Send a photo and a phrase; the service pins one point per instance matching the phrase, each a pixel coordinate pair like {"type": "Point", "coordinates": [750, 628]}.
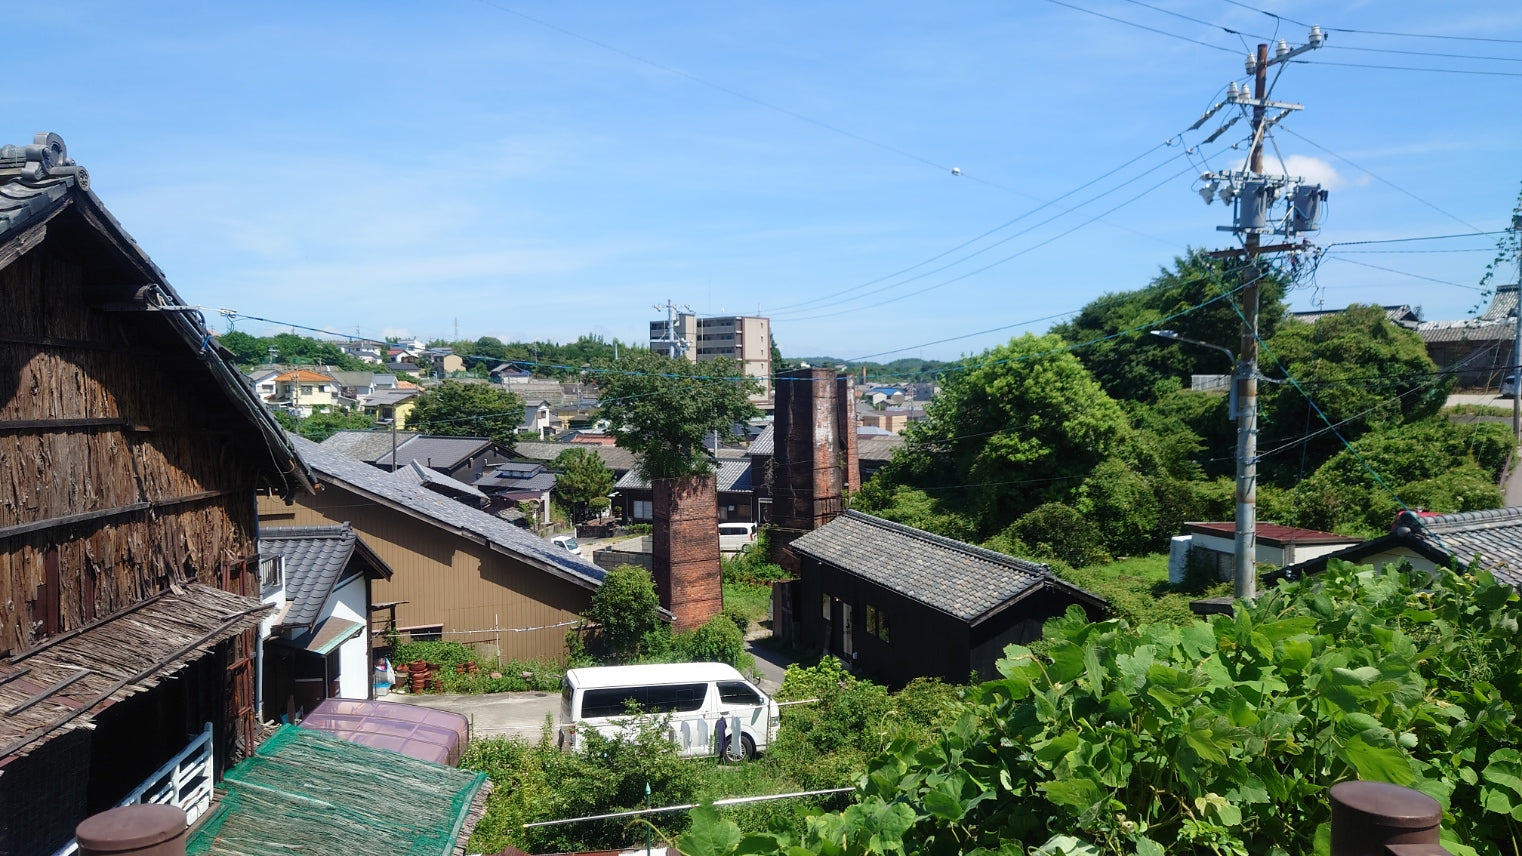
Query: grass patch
{"type": "Point", "coordinates": [753, 600]}
{"type": "Point", "coordinates": [1139, 591]}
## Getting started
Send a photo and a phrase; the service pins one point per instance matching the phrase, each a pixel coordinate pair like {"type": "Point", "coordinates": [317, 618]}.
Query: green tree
{"type": "Point", "coordinates": [454, 409]}
{"type": "Point", "coordinates": [1187, 299]}
{"type": "Point", "coordinates": [1024, 424]}
{"type": "Point", "coordinates": [247, 350]}
{"type": "Point", "coordinates": [1364, 374]}
{"type": "Point", "coordinates": [489, 347]}
{"type": "Point", "coordinates": [324, 424]}
{"type": "Point", "coordinates": [625, 609]}
{"type": "Point", "coordinates": [662, 409]}
{"type": "Point", "coordinates": [581, 479]}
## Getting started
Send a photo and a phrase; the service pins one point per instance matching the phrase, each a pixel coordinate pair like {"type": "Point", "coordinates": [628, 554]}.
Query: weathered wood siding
{"type": "Point", "coordinates": [114, 445]}
{"type": "Point", "coordinates": [447, 579]}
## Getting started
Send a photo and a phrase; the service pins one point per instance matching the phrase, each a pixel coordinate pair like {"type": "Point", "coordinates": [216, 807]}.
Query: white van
{"type": "Point", "coordinates": [567, 542]}
{"type": "Point", "coordinates": [736, 537]}
{"type": "Point", "coordinates": [696, 695]}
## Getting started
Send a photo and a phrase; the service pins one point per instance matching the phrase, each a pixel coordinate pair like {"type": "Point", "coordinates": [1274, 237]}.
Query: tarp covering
{"type": "Point", "coordinates": [306, 791]}
{"type": "Point", "coordinates": [419, 732]}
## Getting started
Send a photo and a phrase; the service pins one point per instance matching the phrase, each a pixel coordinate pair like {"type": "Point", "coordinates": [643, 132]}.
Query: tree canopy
{"type": "Point", "coordinates": [582, 479]}
{"type": "Point", "coordinates": [454, 409]}
{"type": "Point", "coordinates": [662, 409]}
{"type": "Point", "coordinates": [1191, 299]}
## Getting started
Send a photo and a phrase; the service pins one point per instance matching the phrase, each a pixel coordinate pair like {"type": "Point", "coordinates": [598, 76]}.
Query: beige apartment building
{"type": "Point", "coordinates": [746, 338]}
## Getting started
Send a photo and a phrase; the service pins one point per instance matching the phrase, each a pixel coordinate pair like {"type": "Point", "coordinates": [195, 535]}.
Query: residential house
{"type": "Point", "coordinates": [358, 385]}
{"type": "Point", "coordinates": [891, 419]}
{"type": "Point", "coordinates": [615, 458]}
{"type": "Point", "coordinates": [457, 572]}
{"type": "Point", "coordinates": [538, 419]}
{"type": "Point", "coordinates": [444, 362]}
{"type": "Point", "coordinates": [317, 643]}
{"type": "Point", "coordinates": [1492, 539]}
{"type": "Point", "coordinates": [368, 446]}
{"type": "Point", "coordinates": [736, 497]}
{"type": "Point", "coordinates": [875, 448]}
{"type": "Point", "coordinates": [746, 339]}
{"type": "Point", "coordinates": [463, 459]}
{"type": "Point", "coordinates": [390, 406]}
{"type": "Point", "coordinates": [510, 373]}
{"type": "Point", "coordinates": [130, 450]}
{"type": "Point", "coordinates": [304, 392]}
{"type": "Point", "coordinates": [900, 603]}
{"type": "Point", "coordinates": [1213, 545]}
{"type": "Point", "coordinates": [263, 381]}
{"type": "Point", "coordinates": [1403, 315]}
{"type": "Point", "coordinates": [364, 349]}
{"type": "Point", "coordinates": [416, 474]}
{"type": "Point", "coordinates": [517, 483]}
{"type": "Point", "coordinates": [1477, 350]}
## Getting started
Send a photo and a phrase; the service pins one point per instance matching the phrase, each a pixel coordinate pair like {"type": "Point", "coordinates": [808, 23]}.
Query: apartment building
{"type": "Point", "coordinates": [746, 338]}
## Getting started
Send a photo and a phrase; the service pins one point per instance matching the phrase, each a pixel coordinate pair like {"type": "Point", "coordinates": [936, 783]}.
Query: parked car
{"type": "Point", "coordinates": [1509, 386]}
{"type": "Point", "coordinates": [567, 542]}
{"type": "Point", "coordinates": [696, 697]}
{"type": "Point", "coordinates": [736, 537]}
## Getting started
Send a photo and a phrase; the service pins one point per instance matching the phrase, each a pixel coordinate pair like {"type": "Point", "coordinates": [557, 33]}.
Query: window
{"type": "Point", "coordinates": [877, 623]}
{"type": "Point", "coordinates": [824, 599]}
{"type": "Point", "coordinates": [672, 698]}
{"type": "Point", "coordinates": [306, 389]}
{"type": "Point", "coordinates": [643, 509]}
{"type": "Point", "coordinates": [271, 572]}
{"type": "Point", "coordinates": [738, 692]}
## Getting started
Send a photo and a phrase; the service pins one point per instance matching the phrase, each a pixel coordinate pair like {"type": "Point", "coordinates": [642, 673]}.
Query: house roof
{"type": "Point", "coordinates": [764, 444]}
{"type": "Point", "coordinates": [1493, 537]}
{"type": "Point", "coordinates": [730, 476]}
{"type": "Point", "coordinates": [614, 458]}
{"type": "Point", "coordinates": [499, 480]}
{"type": "Point", "coordinates": [58, 685]}
{"type": "Point", "coordinates": [306, 790]}
{"type": "Point", "coordinates": [302, 376]}
{"type": "Point", "coordinates": [448, 515]}
{"type": "Point", "coordinates": [367, 446]}
{"type": "Point", "coordinates": [40, 182]}
{"type": "Point", "coordinates": [878, 447]}
{"type": "Point", "coordinates": [433, 451]}
{"type": "Point", "coordinates": [1472, 330]}
{"type": "Point", "coordinates": [966, 582]}
{"type": "Point", "coordinates": [414, 472]}
{"type": "Point", "coordinates": [1273, 534]}
{"type": "Point", "coordinates": [315, 558]}
{"type": "Point", "coordinates": [386, 397]}
{"type": "Point", "coordinates": [1403, 315]}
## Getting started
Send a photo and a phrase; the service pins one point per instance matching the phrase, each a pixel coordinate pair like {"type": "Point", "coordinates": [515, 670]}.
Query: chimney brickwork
{"type": "Point", "coordinates": [809, 470]}
{"type": "Point", "coordinates": [685, 549]}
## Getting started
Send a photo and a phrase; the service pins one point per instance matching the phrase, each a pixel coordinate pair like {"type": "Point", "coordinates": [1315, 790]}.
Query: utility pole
{"type": "Point", "coordinates": [1254, 195]}
{"type": "Point", "coordinates": [1516, 345]}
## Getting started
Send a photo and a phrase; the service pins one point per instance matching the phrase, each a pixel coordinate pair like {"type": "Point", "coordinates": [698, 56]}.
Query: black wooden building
{"type": "Point", "coordinates": [898, 603]}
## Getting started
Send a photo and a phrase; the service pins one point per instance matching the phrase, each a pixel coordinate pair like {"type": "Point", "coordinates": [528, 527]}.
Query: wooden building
{"type": "Point", "coordinates": [899, 603]}
{"type": "Point", "coordinates": [131, 450]}
{"type": "Point", "coordinates": [457, 572]}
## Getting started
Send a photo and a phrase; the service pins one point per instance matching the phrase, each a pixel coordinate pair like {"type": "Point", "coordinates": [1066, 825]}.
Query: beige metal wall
{"type": "Point", "coordinates": [446, 578]}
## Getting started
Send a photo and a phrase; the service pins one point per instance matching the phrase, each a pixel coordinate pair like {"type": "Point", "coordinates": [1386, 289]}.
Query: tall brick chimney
{"type": "Point", "coordinates": [684, 549]}
{"type": "Point", "coordinates": [815, 460]}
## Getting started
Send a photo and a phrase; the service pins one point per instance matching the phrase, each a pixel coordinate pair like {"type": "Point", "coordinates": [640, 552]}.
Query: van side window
{"type": "Point", "coordinates": [674, 698]}
{"type": "Point", "coordinates": [611, 702]}
{"type": "Point", "coordinates": [736, 692]}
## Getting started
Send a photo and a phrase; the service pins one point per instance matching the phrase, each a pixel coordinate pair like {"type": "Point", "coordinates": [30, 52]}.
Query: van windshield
{"type": "Point", "coordinates": [569, 543]}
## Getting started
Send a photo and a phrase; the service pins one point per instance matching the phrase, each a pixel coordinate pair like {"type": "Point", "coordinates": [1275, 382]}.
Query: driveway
{"type": "Point", "coordinates": [518, 715]}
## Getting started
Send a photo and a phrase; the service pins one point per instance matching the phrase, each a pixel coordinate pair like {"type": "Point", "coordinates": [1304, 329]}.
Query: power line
{"type": "Point", "coordinates": [1374, 32]}
{"type": "Point", "coordinates": [1221, 27]}
{"type": "Point", "coordinates": [1475, 71]}
{"type": "Point", "coordinates": [1336, 258]}
{"type": "Point", "coordinates": [1141, 26]}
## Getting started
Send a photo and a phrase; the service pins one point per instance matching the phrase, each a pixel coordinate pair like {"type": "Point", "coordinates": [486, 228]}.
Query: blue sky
{"type": "Point", "coordinates": [533, 170]}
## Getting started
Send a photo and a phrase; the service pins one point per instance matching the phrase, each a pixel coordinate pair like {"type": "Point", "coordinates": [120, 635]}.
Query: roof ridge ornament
{"type": "Point", "coordinates": [46, 157]}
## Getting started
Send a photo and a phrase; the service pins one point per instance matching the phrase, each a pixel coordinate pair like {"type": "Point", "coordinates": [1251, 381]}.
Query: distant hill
{"type": "Point", "coordinates": [907, 369]}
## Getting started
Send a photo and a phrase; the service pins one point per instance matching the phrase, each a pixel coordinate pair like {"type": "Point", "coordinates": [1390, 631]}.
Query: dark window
{"type": "Point", "coordinates": [671, 698]}
{"type": "Point", "coordinates": [614, 702]}
{"type": "Point", "coordinates": [738, 692]}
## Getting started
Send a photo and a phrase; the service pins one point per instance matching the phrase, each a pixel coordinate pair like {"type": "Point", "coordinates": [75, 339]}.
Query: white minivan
{"type": "Point", "coordinates": [736, 537]}
{"type": "Point", "coordinates": [695, 695]}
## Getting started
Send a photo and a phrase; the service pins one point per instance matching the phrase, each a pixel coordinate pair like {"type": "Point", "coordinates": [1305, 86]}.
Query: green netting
{"type": "Point", "coordinates": [309, 791]}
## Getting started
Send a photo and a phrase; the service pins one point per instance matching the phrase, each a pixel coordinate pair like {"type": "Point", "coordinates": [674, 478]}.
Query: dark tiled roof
{"type": "Point", "coordinates": [879, 447]}
{"type": "Point", "coordinates": [961, 580]}
{"type": "Point", "coordinates": [731, 476]}
{"type": "Point", "coordinates": [1494, 535]}
{"type": "Point", "coordinates": [38, 182]}
{"type": "Point", "coordinates": [616, 459]}
{"type": "Point", "coordinates": [433, 451]}
{"type": "Point", "coordinates": [414, 472]}
{"type": "Point", "coordinates": [1466, 331]}
{"type": "Point", "coordinates": [763, 444]}
{"type": "Point", "coordinates": [315, 557]}
{"type": "Point", "coordinates": [447, 514]}
{"type": "Point", "coordinates": [497, 481]}
{"type": "Point", "coordinates": [367, 446]}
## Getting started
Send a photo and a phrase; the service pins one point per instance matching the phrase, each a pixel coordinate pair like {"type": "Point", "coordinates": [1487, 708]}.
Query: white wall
{"type": "Point", "coordinates": [348, 602]}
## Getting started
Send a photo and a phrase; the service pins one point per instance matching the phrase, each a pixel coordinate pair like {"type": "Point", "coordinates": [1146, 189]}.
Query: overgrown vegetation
{"type": "Point", "coordinates": [1210, 737]}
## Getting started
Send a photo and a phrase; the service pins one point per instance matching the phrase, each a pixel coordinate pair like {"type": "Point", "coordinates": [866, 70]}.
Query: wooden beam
{"type": "Point", "coordinates": [43, 696]}
{"type": "Point", "coordinates": [16, 247]}
{"type": "Point", "coordinates": [87, 516]}
{"type": "Point", "coordinates": [62, 424]}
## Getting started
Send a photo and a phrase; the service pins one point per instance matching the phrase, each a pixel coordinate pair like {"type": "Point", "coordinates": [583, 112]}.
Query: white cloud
{"type": "Point", "coordinates": [1318, 171]}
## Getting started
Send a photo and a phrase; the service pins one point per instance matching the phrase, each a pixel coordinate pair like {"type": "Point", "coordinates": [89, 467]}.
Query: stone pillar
{"type": "Point", "coordinates": [684, 548]}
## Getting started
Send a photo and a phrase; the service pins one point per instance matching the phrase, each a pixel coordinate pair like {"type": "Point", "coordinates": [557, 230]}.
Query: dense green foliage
{"type": "Point", "coordinates": [625, 610]}
{"type": "Point", "coordinates": [1128, 363]}
{"type": "Point", "coordinates": [1218, 737]}
{"type": "Point", "coordinates": [662, 409]}
{"type": "Point", "coordinates": [325, 423]}
{"type": "Point", "coordinates": [545, 359]}
{"type": "Point", "coordinates": [288, 349]}
{"type": "Point", "coordinates": [454, 409]}
{"type": "Point", "coordinates": [582, 479]}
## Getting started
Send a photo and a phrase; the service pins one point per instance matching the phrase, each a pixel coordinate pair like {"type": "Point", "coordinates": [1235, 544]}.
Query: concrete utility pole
{"type": "Point", "coordinates": [1516, 345]}
{"type": "Point", "coordinates": [1254, 195]}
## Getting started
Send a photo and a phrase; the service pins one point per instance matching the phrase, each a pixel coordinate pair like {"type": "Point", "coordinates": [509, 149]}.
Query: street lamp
{"type": "Point", "coordinates": [1246, 416]}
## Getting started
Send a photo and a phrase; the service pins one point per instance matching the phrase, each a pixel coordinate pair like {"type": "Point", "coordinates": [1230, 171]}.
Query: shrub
{"type": "Point", "coordinates": [446, 654]}
{"type": "Point", "coordinates": [718, 641]}
{"type": "Point", "coordinates": [1057, 531]}
{"type": "Point", "coordinates": [625, 608]}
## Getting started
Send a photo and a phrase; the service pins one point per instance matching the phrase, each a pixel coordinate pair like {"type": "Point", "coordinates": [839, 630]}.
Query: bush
{"type": "Point", "coordinates": [718, 641]}
{"type": "Point", "coordinates": [625, 608]}
{"type": "Point", "coordinates": [1057, 531]}
{"type": "Point", "coordinates": [446, 654]}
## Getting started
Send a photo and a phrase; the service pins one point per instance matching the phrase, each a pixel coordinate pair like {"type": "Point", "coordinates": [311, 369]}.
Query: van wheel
{"type": "Point", "coordinates": [743, 751]}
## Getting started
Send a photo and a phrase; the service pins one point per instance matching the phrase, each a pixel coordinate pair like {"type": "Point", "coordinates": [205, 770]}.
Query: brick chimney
{"type": "Point", "coordinates": [815, 455]}
{"type": "Point", "coordinates": [684, 549]}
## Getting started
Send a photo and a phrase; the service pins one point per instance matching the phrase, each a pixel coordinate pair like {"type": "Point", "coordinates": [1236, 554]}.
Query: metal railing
{"type": "Point", "coordinates": [184, 780]}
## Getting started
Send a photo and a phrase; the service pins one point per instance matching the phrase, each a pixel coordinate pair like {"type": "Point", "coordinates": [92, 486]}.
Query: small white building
{"type": "Point", "coordinates": [1215, 543]}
